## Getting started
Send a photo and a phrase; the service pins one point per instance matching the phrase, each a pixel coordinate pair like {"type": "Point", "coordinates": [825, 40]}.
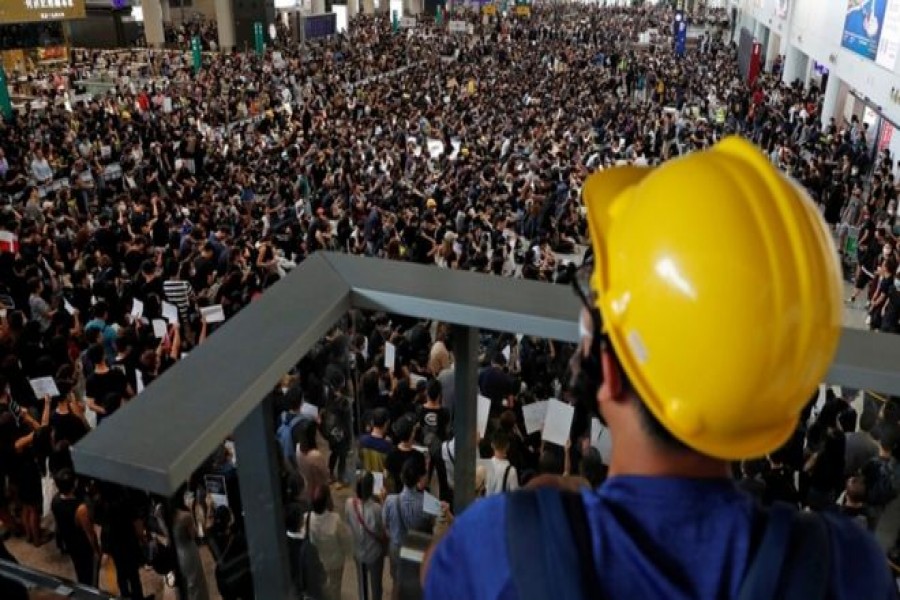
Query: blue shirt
{"type": "Point", "coordinates": [655, 537]}
{"type": "Point", "coordinates": [404, 512]}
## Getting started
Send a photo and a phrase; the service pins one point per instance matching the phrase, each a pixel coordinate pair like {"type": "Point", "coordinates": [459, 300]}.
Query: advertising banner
{"type": "Point", "coordinates": [862, 26]}
{"type": "Point", "coordinates": [28, 11]}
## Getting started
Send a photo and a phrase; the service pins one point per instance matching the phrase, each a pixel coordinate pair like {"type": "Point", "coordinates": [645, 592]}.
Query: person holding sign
{"type": "Point", "coordinates": [683, 397]}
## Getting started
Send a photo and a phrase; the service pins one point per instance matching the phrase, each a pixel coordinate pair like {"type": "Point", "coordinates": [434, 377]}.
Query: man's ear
{"type": "Point", "coordinates": [612, 376]}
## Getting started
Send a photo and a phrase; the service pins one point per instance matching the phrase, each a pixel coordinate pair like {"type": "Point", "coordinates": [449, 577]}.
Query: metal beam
{"type": "Point", "coordinates": [461, 297]}
{"type": "Point", "coordinates": [465, 416]}
{"type": "Point", "coordinates": [157, 440]}
{"type": "Point", "coordinates": [867, 360]}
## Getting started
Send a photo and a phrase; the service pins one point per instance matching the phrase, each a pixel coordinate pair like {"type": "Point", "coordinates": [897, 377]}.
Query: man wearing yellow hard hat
{"type": "Point", "coordinates": [713, 313]}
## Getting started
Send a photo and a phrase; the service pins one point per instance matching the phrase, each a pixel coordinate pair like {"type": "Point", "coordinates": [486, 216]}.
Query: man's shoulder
{"type": "Point", "coordinates": [477, 538]}
{"type": "Point", "coordinates": [859, 567]}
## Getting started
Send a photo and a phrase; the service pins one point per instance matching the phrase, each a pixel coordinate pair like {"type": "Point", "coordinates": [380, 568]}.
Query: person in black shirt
{"type": "Point", "coordinates": [106, 388]}
{"type": "Point", "coordinates": [405, 430]}
{"type": "Point", "coordinates": [75, 528]}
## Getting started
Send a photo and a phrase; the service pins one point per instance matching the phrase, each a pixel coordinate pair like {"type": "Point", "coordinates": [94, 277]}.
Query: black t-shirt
{"type": "Point", "coordinates": [433, 423]}
{"type": "Point", "coordinates": [67, 427]}
{"type": "Point", "coordinates": [100, 385]}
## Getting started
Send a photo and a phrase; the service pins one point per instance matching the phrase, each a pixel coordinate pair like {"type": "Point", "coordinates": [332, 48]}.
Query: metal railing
{"type": "Point", "coordinates": [157, 441]}
{"type": "Point", "coordinates": [62, 588]}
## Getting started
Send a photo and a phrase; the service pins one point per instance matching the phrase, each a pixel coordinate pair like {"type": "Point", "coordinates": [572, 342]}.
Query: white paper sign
{"type": "Point", "coordinates": [139, 381]}
{"type": "Point", "coordinates": [44, 386]}
{"type": "Point", "coordinates": [601, 439]}
{"type": "Point", "coordinates": [69, 308]}
{"type": "Point", "coordinates": [170, 312]}
{"type": "Point", "coordinates": [309, 410]}
{"type": "Point", "coordinates": [484, 411]}
{"type": "Point", "coordinates": [431, 505]}
{"type": "Point", "coordinates": [534, 414]}
{"type": "Point", "coordinates": [137, 309]}
{"type": "Point", "coordinates": [506, 353]}
{"type": "Point", "coordinates": [390, 355]}
{"type": "Point", "coordinates": [160, 328]}
{"type": "Point", "coordinates": [378, 488]}
{"type": "Point", "coordinates": [558, 422]}
{"type": "Point", "coordinates": [213, 314]}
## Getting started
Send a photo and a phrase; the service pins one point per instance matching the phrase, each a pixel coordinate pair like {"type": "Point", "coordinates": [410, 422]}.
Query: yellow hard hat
{"type": "Point", "coordinates": [720, 291]}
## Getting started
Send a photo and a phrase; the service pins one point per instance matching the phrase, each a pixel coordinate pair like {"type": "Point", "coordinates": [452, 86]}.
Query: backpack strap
{"type": "Point", "coordinates": [791, 562]}
{"type": "Point", "coordinates": [543, 555]}
{"type": "Point", "coordinates": [506, 477]}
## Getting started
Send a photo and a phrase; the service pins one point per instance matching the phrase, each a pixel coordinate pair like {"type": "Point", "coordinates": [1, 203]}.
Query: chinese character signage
{"type": "Point", "coordinates": [26, 11]}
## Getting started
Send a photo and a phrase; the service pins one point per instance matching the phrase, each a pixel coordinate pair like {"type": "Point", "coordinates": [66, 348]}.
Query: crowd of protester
{"type": "Point", "coordinates": [180, 191]}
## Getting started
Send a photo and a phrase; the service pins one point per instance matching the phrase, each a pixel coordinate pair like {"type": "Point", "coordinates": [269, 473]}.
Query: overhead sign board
{"type": "Point", "coordinates": [30, 11]}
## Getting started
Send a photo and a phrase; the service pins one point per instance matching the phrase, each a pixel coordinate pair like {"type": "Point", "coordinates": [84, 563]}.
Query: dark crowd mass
{"type": "Point", "coordinates": [138, 219]}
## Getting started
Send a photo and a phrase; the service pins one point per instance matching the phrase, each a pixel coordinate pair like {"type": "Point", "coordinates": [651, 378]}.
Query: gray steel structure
{"type": "Point", "coordinates": [158, 440]}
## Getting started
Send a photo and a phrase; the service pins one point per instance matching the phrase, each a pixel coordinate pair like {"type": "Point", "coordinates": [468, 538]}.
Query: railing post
{"type": "Point", "coordinates": [465, 350]}
{"type": "Point", "coordinates": [264, 521]}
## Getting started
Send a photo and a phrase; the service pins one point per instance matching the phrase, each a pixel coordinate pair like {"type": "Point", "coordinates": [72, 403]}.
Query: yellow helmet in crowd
{"type": "Point", "coordinates": [720, 290]}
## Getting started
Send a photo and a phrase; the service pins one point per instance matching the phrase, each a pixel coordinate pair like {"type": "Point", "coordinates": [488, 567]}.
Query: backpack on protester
{"type": "Point", "coordinates": [556, 521]}
{"type": "Point", "coordinates": [285, 432]}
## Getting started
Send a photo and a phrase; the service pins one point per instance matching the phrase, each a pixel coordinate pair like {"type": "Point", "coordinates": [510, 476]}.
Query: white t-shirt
{"type": "Point", "coordinates": [495, 474]}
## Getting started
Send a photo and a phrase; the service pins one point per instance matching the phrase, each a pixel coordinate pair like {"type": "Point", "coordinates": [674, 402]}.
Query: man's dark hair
{"type": "Point", "coordinates": [65, 481]}
{"type": "Point", "coordinates": [500, 440]}
{"type": "Point", "coordinates": [413, 470]}
{"type": "Point", "coordinates": [96, 354]}
{"type": "Point", "coordinates": [321, 499]}
{"type": "Point", "coordinates": [379, 418]}
{"type": "Point", "coordinates": [34, 285]}
{"type": "Point", "coordinates": [404, 428]}
{"type": "Point", "coordinates": [365, 486]}
{"type": "Point", "coordinates": [435, 389]}
{"type": "Point", "coordinates": [657, 432]}
{"type": "Point", "coordinates": [101, 309]}
{"type": "Point", "coordinates": [847, 420]}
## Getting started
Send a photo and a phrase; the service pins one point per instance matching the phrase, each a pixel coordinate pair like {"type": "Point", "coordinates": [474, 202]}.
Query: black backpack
{"type": "Point", "coordinates": [791, 561]}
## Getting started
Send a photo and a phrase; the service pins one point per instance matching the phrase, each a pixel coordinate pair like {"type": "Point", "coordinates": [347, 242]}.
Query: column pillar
{"type": "Point", "coordinates": [264, 517]}
{"type": "Point", "coordinates": [318, 7]}
{"type": "Point", "coordinates": [758, 31]}
{"type": "Point", "coordinates": [772, 50]}
{"type": "Point", "coordinates": [465, 418]}
{"type": "Point", "coordinates": [166, 11]}
{"type": "Point", "coordinates": [829, 103]}
{"type": "Point", "coordinates": [225, 24]}
{"type": "Point", "coordinates": [352, 9]}
{"type": "Point", "coordinates": [368, 7]}
{"type": "Point", "coordinates": [153, 23]}
{"type": "Point", "coordinates": [794, 65]}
